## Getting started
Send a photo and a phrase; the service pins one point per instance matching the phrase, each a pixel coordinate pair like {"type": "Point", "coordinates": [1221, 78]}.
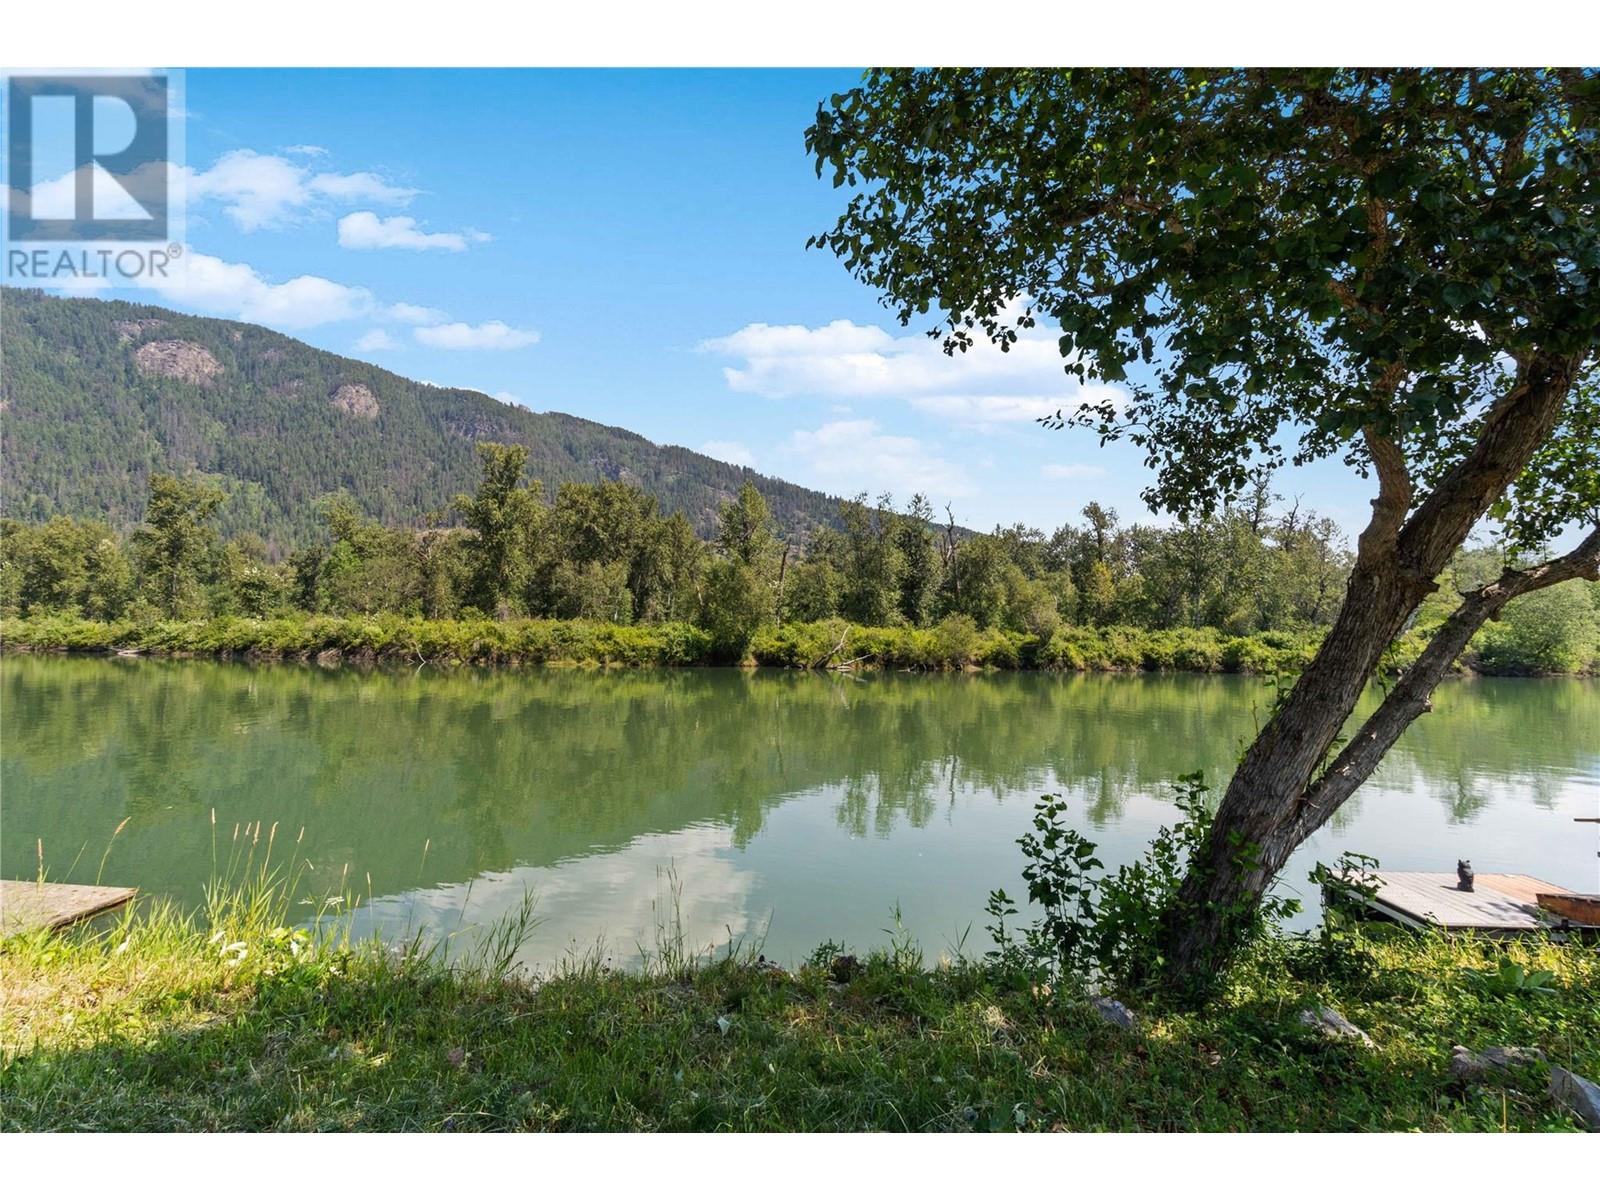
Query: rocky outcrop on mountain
{"type": "Point", "coordinates": [174, 359]}
{"type": "Point", "coordinates": [356, 400]}
{"type": "Point", "coordinates": [129, 331]}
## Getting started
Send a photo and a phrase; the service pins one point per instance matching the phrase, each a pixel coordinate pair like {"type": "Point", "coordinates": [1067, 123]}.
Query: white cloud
{"type": "Point", "coordinates": [361, 185]}
{"type": "Point", "coordinates": [307, 151]}
{"type": "Point", "coordinates": [415, 314]}
{"type": "Point", "coordinates": [114, 197]}
{"type": "Point", "coordinates": [376, 339]}
{"type": "Point", "coordinates": [369, 231]}
{"type": "Point", "coordinates": [508, 398]}
{"type": "Point", "coordinates": [1073, 471]}
{"type": "Point", "coordinates": [491, 335]}
{"type": "Point", "coordinates": [235, 289]}
{"type": "Point", "coordinates": [211, 285]}
{"type": "Point", "coordinates": [736, 453]}
{"type": "Point", "coordinates": [856, 455]}
{"type": "Point", "coordinates": [257, 191]}
{"type": "Point", "coordinates": [265, 190]}
{"type": "Point", "coordinates": [842, 360]}
{"type": "Point", "coordinates": [766, 344]}
{"type": "Point", "coordinates": [989, 410]}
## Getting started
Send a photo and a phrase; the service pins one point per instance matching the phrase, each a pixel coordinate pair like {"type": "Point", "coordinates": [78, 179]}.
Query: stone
{"type": "Point", "coordinates": [356, 400]}
{"type": "Point", "coordinates": [1578, 1094]}
{"type": "Point", "coordinates": [1495, 1061]}
{"type": "Point", "coordinates": [127, 331]}
{"type": "Point", "coordinates": [478, 429]}
{"type": "Point", "coordinates": [1331, 1023]}
{"type": "Point", "coordinates": [173, 359]}
{"type": "Point", "coordinates": [773, 969]}
{"type": "Point", "coordinates": [1114, 1012]}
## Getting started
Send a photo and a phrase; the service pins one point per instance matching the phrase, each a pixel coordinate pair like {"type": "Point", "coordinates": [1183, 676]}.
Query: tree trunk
{"type": "Point", "coordinates": [1269, 807]}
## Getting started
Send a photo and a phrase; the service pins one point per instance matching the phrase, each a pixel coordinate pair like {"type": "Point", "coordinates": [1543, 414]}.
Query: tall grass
{"type": "Point", "coordinates": [236, 1016]}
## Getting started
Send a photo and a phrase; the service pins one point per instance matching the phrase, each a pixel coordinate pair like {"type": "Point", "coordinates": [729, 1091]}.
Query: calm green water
{"type": "Point", "coordinates": [803, 806]}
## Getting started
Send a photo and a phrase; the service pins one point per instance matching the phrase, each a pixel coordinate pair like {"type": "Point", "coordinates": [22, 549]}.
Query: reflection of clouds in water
{"type": "Point", "coordinates": [618, 899]}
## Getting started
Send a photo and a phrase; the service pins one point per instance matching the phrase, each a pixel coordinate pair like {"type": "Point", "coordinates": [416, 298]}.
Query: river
{"type": "Point", "coordinates": [785, 807]}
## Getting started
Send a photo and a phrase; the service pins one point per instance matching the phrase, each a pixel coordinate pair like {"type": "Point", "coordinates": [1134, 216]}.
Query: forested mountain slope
{"type": "Point", "coordinates": [97, 394]}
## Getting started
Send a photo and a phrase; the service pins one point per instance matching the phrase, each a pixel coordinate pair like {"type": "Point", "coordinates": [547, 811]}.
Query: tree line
{"type": "Point", "coordinates": [605, 552]}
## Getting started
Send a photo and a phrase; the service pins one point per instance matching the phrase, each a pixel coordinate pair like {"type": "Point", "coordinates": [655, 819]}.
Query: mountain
{"type": "Point", "coordinates": [98, 394]}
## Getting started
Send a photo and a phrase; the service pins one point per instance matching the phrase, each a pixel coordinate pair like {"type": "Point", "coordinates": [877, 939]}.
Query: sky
{"type": "Point", "coordinates": [626, 246]}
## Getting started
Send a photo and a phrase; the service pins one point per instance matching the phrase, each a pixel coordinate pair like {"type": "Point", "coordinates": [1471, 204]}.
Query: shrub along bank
{"type": "Point", "coordinates": [954, 644]}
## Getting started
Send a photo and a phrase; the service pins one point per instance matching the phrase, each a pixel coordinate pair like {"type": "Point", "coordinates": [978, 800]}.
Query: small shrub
{"type": "Point", "coordinates": [1108, 927]}
{"type": "Point", "coordinates": [955, 641]}
{"type": "Point", "coordinates": [1550, 632]}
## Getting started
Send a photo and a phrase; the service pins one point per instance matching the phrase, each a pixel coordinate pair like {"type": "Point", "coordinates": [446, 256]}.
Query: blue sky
{"type": "Point", "coordinates": [628, 246]}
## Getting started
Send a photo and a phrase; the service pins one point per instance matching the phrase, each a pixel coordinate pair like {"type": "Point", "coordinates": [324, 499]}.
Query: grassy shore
{"type": "Point", "coordinates": [950, 645]}
{"type": "Point", "coordinates": [234, 1020]}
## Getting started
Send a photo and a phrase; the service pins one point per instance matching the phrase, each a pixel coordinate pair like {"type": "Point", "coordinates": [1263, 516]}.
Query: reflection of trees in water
{"type": "Point", "coordinates": [531, 767]}
{"type": "Point", "coordinates": [1487, 739]}
{"type": "Point", "coordinates": [873, 803]}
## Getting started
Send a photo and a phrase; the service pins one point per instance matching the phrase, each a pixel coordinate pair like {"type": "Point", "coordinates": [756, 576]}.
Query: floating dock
{"type": "Point", "coordinates": [28, 906]}
{"type": "Point", "coordinates": [1500, 905]}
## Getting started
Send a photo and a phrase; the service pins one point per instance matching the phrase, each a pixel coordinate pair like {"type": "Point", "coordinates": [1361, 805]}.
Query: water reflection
{"type": "Point", "coordinates": [817, 801]}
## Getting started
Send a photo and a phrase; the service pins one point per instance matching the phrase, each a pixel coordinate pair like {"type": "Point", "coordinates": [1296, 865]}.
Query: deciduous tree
{"type": "Point", "coordinates": [175, 541]}
{"type": "Point", "coordinates": [1397, 268]}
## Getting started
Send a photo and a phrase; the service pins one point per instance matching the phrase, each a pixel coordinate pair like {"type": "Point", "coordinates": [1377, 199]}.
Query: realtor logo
{"type": "Point", "coordinates": [92, 168]}
{"type": "Point", "coordinates": [87, 158]}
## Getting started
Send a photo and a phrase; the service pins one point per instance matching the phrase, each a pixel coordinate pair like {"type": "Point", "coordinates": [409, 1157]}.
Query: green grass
{"type": "Point", "coordinates": [230, 1019]}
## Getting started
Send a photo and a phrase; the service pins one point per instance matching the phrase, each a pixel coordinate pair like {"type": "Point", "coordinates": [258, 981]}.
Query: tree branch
{"type": "Point", "coordinates": [1394, 497]}
{"type": "Point", "coordinates": [1512, 431]}
{"type": "Point", "coordinates": [1408, 699]}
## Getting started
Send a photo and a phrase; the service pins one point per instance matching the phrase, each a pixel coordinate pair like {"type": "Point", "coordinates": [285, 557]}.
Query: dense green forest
{"type": "Point", "coordinates": [1248, 588]}
{"type": "Point", "coordinates": [99, 395]}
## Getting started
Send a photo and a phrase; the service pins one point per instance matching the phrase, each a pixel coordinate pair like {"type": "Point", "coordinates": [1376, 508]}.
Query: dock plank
{"type": "Point", "coordinates": [26, 905]}
{"type": "Point", "coordinates": [1500, 903]}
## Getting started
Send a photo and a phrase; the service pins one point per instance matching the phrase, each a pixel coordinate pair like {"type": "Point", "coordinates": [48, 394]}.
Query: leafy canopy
{"type": "Point", "coordinates": [1327, 252]}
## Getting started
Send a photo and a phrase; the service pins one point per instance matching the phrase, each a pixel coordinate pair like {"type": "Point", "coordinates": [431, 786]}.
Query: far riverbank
{"type": "Point", "coordinates": [954, 644]}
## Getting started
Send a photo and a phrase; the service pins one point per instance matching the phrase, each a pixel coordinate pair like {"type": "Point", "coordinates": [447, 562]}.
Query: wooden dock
{"type": "Point", "coordinates": [27, 906]}
{"type": "Point", "coordinates": [1499, 904]}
